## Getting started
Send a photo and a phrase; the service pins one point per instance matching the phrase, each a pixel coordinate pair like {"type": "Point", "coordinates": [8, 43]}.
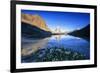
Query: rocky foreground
{"type": "Point", "coordinates": [53, 54]}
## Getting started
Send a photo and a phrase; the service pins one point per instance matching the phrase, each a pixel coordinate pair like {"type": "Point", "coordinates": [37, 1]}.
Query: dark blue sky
{"type": "Point", "coordinates": [67, 21]}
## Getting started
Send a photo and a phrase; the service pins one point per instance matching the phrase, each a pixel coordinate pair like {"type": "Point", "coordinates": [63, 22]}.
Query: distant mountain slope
{"type": "Point", "coordinates": [33, 26]}
{"type": "Point", "coordinates": [84, 32]}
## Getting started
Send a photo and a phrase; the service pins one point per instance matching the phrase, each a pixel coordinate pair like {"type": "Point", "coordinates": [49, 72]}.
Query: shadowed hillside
{"type": "Point", "coordinates": [84, 32]}
{"type": "Point", "coordinates": [30, 31]}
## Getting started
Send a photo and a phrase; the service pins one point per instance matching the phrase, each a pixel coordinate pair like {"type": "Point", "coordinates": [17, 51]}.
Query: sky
{"type": "Point", "coordinates": [66, 21]}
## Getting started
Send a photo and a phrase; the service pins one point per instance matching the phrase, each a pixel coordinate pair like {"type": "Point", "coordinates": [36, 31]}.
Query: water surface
{"type": "Point", "coordinates": [55, 48]}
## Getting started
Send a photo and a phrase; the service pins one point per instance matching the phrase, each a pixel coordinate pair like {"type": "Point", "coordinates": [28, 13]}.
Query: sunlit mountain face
{"type": "Point", "coordinates": [67, 21]}
{"type": "Point", "coordinates": [34, 20]}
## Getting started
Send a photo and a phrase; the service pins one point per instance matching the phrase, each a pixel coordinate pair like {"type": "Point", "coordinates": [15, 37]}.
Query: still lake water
{"type": "Point", "coordinates": [75, 44]}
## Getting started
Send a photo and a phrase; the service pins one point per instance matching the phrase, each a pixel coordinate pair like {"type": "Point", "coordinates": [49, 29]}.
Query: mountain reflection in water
{"type": "Point", "coordinates": [55, 48]}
